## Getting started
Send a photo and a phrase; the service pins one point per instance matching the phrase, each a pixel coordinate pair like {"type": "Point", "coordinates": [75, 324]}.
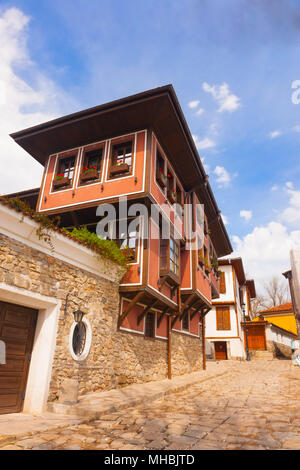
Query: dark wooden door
{"type": "Point", "coordinates": [220, 350]}
{"type": "Point", "coordinates": [256, 338]}
{"type": "Point", "coordinates": [17, 328]}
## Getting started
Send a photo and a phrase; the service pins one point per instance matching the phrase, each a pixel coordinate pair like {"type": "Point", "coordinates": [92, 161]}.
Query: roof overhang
{"type": "Point", "coordinates": [251, 288]}
{"type": "Point", "coordinates": [156, 109]}
{"type": "Point", "coordinates": [237, 264]}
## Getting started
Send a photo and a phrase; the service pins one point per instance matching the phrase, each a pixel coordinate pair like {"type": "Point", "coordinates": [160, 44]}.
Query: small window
{"type": "Point", "coordinates": [121, 159]}
{"type": "Point", "coordinates": [161, 177]}
{"type": "Point", "coordinates": [185, 322]}
{"type": "Point", "coordinates": [222, 283]}
{"type": "Point", "coordinates": [150, 325]}
{"type": "Point", "coordinates": [171, 193]}
{"type": "Point", "coordinates": [65, 172]}
{"type": "Point", "coordinates": [126, 240]}
{"type": "Point", "coordinates": [174, 256]}
{"type": "Point", "coordinates": [91, 166]}
{"type": "Point", "coordinates": [223, 318]}
{"type": "Point", "coordinates": [169, 256]}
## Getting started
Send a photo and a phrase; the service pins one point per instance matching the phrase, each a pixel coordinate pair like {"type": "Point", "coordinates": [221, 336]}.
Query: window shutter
{"type": "Point", "coordinates": [222, 283]}
{"type": "Point", "coordinates": [223, 318]}
{"type": "Point", "coordinates": [150, 325]}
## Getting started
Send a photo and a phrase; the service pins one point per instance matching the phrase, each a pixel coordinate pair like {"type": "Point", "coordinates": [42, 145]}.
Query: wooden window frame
{"type": "Point", "coordinates": [118, 241]}
{"type": "Point", "coordinates": [186, 318]}
{"type": "Point", "coordinates": [223, 322]}
{"type": "Point", "coordinates": [154, 320]}
{"type": "Point", "coordinates": [171, 196]}
{"type": "Point", "coordinates": [58, 171]}
{"type": "Point", "coordinates": [222, 283]}
{"type": "Point", "coordinates": [113, 157]}
{"type": "Point", "coordinates": [167, 271]}
{"type": "Point", "coordinates": [160, 174]}
{"type": "Point", "coordinates": [86, 151]}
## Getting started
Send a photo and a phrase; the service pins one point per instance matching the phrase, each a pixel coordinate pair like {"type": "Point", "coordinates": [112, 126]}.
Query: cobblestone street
{"type": "Point", "coordinates": [254, 406]}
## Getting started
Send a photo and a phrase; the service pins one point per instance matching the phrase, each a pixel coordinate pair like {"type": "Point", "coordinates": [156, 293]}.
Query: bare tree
{"type": "Point", "coordinates": [276, 292]}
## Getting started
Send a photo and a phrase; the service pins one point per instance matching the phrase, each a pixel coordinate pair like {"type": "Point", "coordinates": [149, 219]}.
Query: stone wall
{"type": "Point", "coordinates": [279, 350]}
{"type": "Point", "coordinates": [116, 358]}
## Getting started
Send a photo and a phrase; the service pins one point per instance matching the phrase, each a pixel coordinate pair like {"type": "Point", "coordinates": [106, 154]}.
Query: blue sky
{"type": "Point", "coordinates": [232, 64]}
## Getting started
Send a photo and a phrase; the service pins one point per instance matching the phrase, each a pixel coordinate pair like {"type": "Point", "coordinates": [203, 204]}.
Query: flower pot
{"type": "Point", "coordinates": [59, 183]}
{"type": "Point", "coordinates": [161, 179]}
{"type": "Point", "coordinates": [89, 175]}
{"type": "Point", "coordinates": [172, 197]}
{"type": "Point", "coordinates": [119, 169]}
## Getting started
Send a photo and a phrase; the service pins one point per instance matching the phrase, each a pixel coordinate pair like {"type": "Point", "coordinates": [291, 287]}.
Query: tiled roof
{"type": "Point", "coordinates": [288, 307]}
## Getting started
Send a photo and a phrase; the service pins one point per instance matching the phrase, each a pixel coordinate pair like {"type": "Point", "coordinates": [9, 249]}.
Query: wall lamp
{"type": "Point", "coordinates": [78, 316]}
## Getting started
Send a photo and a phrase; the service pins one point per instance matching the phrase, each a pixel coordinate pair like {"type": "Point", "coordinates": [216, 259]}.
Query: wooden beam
{"type": "Point", "coordinates": [130, 307]}
{"type": "Point", "coordinates": [188, 307]}
{"type": "Point", "coordinates": [146, 310]}
{"type": "Point", "coordinates": [161, 316]}
{"type": "Point", "coordinates": [161, 283]}
{"type": "Point", "coordinates": [174, 321]}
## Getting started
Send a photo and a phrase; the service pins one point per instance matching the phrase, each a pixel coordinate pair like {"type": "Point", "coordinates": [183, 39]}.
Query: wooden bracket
{"type": "Point", "coordinates": [130, 307]}
{"type": "Point", "coordinates": [161, 316]}
{"type": "Point", "coordinates": [146, 310]}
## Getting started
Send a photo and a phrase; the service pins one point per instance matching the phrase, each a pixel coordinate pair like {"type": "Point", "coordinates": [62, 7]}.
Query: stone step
{"type": "Point", "coordinates": [266, 355]}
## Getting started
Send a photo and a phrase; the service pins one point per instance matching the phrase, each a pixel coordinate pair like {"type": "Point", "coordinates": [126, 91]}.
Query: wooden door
{"type": "Point", "coordinates": [256, 338]}
{"type": "Point", "coordinates": [17, 328]}
{"type": "Point", "coordinates": [220, 350]}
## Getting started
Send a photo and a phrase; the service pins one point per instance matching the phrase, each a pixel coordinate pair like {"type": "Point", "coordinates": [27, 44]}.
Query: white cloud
{"type": "Point", "coordinates": [193, 104]}
{"type": "Point", "coordinates": [265, 251]}
{"type": "Point", "coordinates": [247, 215]}
{"type": "Point", "coordinates": [225, 219]}
{"type": "Point", "coordinates": [23, 105]}
{"type": "Point", "coordinates": [226, 100]}
{"type": "Point", "coordinates": [274, 188]}
{"type": "Point", "coordinates": [291, 214]}
{"type": "Point", "coordinates": [199, 112]}
{"type": "Point", "coordinates": [204, 143]}
{"type": "Point", "coordinates": [274, 134]}
{"type": "Point", "coordinates": [223, 177]}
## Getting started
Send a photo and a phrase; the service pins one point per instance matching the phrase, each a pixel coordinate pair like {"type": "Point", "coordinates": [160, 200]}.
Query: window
{"type": "Point", "coordinates": [169, 257]}
{"type": "Point", "coordinates": [121, 159]}
{"type": "Point", "coordinates": [126, 238]}
{"type": "Point", "coordinates": [65, 172]}
{"type": "Point", "coordinates": [185, 322]}
{"type": "Point", "coordinates": [160, 170]}
{"type": "Point", "coordinates": [223, 318]}
{"type": "Point", "coordinates": [171, 193]}
{"type": "Point", "coordinates": [201, 257]}
{"type": "Point", "coordinates": [150, 325]}
{"type": "Point", "coordinates": [222, 283]}
{"type": "Point", "coordinates": [91, 166]}
{"type": "Point", "coordinates": [174, 257]}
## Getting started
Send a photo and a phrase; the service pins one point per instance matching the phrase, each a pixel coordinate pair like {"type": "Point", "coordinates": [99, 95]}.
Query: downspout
{"type": "Point", "coordinates": [203, 341]}
{"type": "Point", "coordinates": [169, 347]}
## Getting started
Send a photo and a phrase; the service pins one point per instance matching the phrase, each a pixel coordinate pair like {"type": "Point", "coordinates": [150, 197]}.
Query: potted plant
{"type": "Point", "coordinates": [89, 173]}
{"type": "Point", "coordinates": [207, 267]}
{"type": "Point", "coordinates": [215, 264]}
{"type": "Point", "coordinates": [200, 258]}
{"type": "Point", "coordinates": [161, 177]}
{"type": "Point", "coordinates": [119, 168]}
{"type": "Point", "coordinates": [60, 180]}
{"type": "Point", "coordinates": [172, 196]}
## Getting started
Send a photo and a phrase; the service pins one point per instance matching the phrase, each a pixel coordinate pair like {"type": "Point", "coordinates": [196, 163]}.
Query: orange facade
{"type": "Point", "coordinates": [149, 175]}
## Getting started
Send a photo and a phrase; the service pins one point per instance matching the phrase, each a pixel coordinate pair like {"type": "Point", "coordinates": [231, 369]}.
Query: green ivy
{"type": "Point", "coordinates": [46, 225]}
{"type": "Point", "coordinates": [106, 248]}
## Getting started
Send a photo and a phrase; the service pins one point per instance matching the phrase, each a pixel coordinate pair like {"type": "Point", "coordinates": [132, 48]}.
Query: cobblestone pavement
{"type": "Point", "coordinates": [255, 406]}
